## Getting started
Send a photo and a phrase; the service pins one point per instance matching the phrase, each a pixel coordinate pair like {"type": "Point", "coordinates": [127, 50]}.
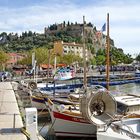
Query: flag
{"type": "Point", "coordinates": [103, 27]}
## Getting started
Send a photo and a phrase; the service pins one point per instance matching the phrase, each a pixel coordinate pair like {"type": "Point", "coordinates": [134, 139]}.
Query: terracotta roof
{"type": "Point", "coordinates": [45, 66]}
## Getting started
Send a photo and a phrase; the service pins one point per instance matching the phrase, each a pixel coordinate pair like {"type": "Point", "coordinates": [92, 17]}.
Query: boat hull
{"type": "Point", "coordinates": [65, 125]}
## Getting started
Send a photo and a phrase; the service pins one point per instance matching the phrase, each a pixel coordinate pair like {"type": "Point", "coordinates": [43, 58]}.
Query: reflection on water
{"type": "Point", "coordinates": [133, 88]}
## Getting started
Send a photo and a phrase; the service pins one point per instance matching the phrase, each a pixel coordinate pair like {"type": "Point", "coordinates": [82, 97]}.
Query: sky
{"type": "Point", "coordinates": [18, 16]}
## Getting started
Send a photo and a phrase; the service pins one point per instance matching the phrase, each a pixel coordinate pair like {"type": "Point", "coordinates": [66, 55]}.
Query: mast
{"type": "Point", "coordinates": [108, 54]}
{"type": "Point", "coordinates": [48, 68]}
{"type": "Point", "coordinates": [84, 55]}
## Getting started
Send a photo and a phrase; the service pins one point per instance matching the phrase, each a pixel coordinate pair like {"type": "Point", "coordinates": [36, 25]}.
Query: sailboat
{"type": "Point", "coordinates": [95, 108]}
{"type": "Point", "coordinates": [66, 117]}
{"type": "Point", "coordinates": [73, 117]}
{"type": "Point", "coordinates": [109, 127]}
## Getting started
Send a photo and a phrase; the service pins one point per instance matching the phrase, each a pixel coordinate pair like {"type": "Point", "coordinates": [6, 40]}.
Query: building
{"type": "Point", "coordinates": [13, 59]}
{"type": "Point", "coordinates": [63, 48]}
{"type": "Point", "coordinates": [74, 30]}
{"type": "Point", "coordinates": [92, 35]}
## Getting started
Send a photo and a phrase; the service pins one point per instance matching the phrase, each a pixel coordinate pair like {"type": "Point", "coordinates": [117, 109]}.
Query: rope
{"type": "Point", "coordinates": [23, 130]}
{"type": "Point", "coordinates": [51, 127]}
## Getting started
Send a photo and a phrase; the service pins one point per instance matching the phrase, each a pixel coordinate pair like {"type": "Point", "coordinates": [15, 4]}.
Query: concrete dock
{"type": "Point", "coordinates": [10, 119]}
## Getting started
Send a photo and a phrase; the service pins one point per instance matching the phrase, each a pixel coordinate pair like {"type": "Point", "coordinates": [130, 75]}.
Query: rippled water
{"type": "Point", "coordinates": [133, 88]}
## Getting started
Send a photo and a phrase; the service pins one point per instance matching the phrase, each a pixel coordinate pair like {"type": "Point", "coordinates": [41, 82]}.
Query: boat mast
{"type": "Point", "coordinates": [48, 68]}
{"type": "Point", "coordinates": [84, 55]}
{"type": "Point", "coordinates": [107, 54]}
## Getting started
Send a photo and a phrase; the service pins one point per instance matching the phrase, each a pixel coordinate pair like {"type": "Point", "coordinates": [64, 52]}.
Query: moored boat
{"type": "Point", "coordinates": [126, 129]}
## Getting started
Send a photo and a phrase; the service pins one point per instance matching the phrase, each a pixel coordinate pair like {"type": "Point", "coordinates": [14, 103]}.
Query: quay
{"type": "Point", "coordinates": [10, 118]}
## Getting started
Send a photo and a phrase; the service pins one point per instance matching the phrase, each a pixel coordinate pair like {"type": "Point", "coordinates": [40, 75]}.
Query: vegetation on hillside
{"type": "Point", "coordinates": [29, 42]}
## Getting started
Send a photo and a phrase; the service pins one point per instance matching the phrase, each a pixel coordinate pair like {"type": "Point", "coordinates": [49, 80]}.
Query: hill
{"type": "Point", "coordinates": [70, 32]}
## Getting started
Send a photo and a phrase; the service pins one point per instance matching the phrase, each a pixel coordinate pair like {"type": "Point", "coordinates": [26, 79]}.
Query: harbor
{"type": "Point", "coordinates": [14, 101]}
{"type": "Point", "coordinates": [73, 80]}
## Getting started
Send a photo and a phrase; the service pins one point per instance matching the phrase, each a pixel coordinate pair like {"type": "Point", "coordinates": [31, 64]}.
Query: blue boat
{"type": "Point", "coordinates": [113, 83]}
{"type": "Point", "coordinates": [62, 86]}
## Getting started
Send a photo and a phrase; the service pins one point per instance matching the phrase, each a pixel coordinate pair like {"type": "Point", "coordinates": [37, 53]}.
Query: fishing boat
{"type": "Point", "coordinates": [128, 105]}
{"type": "Point", "coordinates": [126, 126]}
{"type": "Point", "coordinates": [126, 129]}
{"type": "Point", "coordinates": [116, 117]}
{"type": "Point", "coordinates": [117, 128]}
{"type": "Point", "coordinates": [70, 116]}
{"type": "Point", "coordinates": [67, 85]}
{"type": "Point", "coordinates": [67, 114]}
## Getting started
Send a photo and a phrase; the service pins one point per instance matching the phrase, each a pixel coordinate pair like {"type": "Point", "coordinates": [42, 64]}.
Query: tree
{"type": "Point", "coordinates": [3, 59]}
{"type": "Point", "coordinates": [41, 55]}
{"type": "Point", "coordinates": [138, 58]}
{"type": "Point", "coordinates": [68, 23]}
{"type": "Point", "coordinates": [93, 61]}
{"type": "Point", "coordinates": [100, 60]}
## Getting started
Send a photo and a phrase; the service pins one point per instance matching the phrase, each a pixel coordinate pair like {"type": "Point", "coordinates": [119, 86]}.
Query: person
{"type": "Point", "coordinates": [100, 70]}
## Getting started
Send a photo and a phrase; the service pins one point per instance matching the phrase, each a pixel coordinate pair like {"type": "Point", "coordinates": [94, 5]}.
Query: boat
{"type": "Point", "coordinates": [64, 74]}
{"type": "Point", "coordinates": [38, 98]}
{"type": "Point", "coordinates": [125, 129]}
{"type": "Point", "coordinates": [70, 119]}
{"type": "Point", "coordinates": [128, 105]}
{"type": "Point", "coordinates": [58, 86]}
{"type": "Point", "coordinates": [101, 110]}
{"type": "Point", "coordinates": [67, 114]}
{"type": "Point", "coordinates": [117, 82]}
{"type": "Point", "coordinates": [116, 117]}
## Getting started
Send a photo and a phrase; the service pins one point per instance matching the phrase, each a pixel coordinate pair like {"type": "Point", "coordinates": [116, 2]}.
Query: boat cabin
{"type": "Point", "coordinates": [128, 104]}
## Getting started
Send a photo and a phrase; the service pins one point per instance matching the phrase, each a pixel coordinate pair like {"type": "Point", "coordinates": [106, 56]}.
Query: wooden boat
{"type": "Point", "coordinates": [58, 86]}
{"type": "Point", "coordinates": [70, 115]}
{"type": "Point", "coordinates": [38, 98]}
{"type": "Point", "coordinates": [68, 121]}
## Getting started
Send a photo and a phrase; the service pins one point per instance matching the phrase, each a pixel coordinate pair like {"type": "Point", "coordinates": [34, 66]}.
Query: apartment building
{"type": "Point", "coordinates": [63, 48]}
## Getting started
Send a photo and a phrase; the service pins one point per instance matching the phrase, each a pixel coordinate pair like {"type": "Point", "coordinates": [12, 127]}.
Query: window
{"type": "Point", "coordinates": [65, 51]}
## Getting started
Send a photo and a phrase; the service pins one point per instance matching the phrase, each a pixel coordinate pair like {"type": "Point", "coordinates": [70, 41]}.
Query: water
{"type": "Point", "coordinates": [133, 88]}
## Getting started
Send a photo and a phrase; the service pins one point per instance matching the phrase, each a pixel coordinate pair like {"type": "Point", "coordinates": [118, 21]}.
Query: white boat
{"type": "Point", "coordinates": [128, 105]}
{"type": "Point", "coordinates": [116, 118]}
{"type": "Point", "coordinates": [126, 129]}
{"type": "Point", "coordinates": [113, 127]}
{"type": "Point", "coordinates": [38, 98]}
{"type": "Point", "coordinates": [64, 74]}
{"type": "Point", "coordinates": [67, 121]}
{"type": "Point", "coordinates": [126, 125]}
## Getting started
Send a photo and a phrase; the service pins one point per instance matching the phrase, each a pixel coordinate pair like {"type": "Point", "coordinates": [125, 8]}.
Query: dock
{"type": "Point", "coordinates": [10, 118]}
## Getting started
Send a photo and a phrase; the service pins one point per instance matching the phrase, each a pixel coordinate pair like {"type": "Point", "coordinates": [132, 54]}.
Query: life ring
{"type": "Point", "coordinates": [32, 85]}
